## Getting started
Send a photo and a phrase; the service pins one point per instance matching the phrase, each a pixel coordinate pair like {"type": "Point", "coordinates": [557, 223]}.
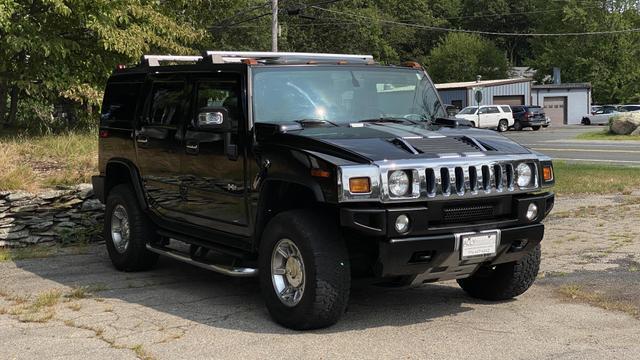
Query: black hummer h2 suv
{"type": "Point", "coordinates": [308, 170]}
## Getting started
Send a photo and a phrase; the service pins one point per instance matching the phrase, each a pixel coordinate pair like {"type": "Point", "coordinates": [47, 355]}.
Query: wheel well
{"type": "Point", "coordinates": [119, 173]}
{"type": "Point", "coordinates": [279, 196]}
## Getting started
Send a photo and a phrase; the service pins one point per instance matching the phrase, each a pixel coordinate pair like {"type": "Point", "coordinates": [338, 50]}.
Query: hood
{"type": "Point", "coordinates": [387, 141]}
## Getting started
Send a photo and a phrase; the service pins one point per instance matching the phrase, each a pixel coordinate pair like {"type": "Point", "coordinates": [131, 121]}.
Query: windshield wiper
{"type": "Point", "coordinates": [304, 122]}
{"type": "Point", "coordinates": [393, 120]}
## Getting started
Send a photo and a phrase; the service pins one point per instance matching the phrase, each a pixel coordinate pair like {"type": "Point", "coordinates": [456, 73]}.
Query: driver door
{"type": "Point", "coordinates": [213, 179]}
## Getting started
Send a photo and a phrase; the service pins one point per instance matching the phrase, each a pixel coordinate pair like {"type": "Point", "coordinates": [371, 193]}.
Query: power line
{"type": "Point", "coordinates": [436, 28]}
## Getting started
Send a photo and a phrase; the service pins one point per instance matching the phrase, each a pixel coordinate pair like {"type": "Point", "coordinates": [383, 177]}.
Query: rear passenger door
{"type": "Point", "coordinates": [158, 138]}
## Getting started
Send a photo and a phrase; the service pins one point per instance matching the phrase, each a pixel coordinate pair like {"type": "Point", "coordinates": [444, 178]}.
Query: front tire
{"type": "Point", "coordinates": [503, 125]}
{"type": "Point", "coordinates": [127, 229]}
{"type": "Point", "coordinates": [586, 121]}
{"type": "Point", "coordinates": [535, 128]}
{"type": "Point", "coordinates": [504, 281]}
{"type": "Point", "coordinates": [517, 126]}
{"type": "Point", "coordinates": [304, 270]}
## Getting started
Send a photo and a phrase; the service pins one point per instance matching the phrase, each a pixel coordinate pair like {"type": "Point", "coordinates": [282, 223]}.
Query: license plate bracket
{"type": "Point", "coordinates": [476, 245]}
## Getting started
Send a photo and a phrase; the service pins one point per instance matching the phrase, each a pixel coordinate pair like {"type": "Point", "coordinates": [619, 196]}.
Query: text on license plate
{"type": "Point", "coordinates": [479, 244]}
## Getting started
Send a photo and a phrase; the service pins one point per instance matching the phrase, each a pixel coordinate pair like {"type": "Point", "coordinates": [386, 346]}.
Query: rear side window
{"type": "Point", "coordinates": [506, 108]}
{"type": "Point", "coordinates": [167, 104]}
{"type": "Point", "coordinates": [119, 104]}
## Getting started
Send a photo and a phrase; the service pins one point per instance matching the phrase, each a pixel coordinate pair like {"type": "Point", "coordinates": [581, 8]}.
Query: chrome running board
{"type": "Point", "coordinates": [225, 270]}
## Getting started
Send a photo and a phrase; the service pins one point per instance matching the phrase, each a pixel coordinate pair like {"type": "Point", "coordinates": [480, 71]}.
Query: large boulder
{"type": "Point", "coordinates": [625, 123]}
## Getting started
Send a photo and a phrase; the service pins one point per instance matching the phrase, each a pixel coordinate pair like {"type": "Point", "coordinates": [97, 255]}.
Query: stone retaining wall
{"type": "Point", "coordinates": [62, 215]}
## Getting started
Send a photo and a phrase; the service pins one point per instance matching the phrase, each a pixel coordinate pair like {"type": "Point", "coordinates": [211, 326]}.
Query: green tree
{"type": "Point", "coordinates": [461, 57]}
{"type": "Point", "coordinates": [56, 51]}
{"type": "Point", "coordinates": [609, 62]}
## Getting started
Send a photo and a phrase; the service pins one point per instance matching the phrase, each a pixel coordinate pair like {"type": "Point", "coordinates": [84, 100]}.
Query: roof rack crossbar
{"type": "Point", "coordinates": [238, 56]}
{"type": "Point", "coordinates": [154, 60]}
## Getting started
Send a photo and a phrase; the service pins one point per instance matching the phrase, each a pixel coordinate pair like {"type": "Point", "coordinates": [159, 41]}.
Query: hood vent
{"type": "Point", "coordinates": [440, 145]}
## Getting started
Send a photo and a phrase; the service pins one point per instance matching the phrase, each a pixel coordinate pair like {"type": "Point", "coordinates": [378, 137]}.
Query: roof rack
{"type": "Point", "coordinates": [222, 57]}
{"type": "Point", "coordinates": [154, 60]}
{"type": "Point", "coordinates": [218, 57]}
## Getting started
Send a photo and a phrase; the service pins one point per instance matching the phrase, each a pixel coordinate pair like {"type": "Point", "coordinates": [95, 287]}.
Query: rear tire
{"type": "Point", "coordinates": [127, 230]}
{"type": "Point", "coordinates": [505, 281]}
{"type": "Point", "coordinates": [586, 121]}
{"type": "Point", "coordinates": [321, 294]}
{"type": "Point", "coordinates": [503, 125]}
{"type": "Point", "coordinates": [535, 128]}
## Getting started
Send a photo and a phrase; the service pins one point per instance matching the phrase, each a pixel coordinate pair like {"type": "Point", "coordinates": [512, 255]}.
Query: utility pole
{"type": "Point", "coordinates": [274, 25]}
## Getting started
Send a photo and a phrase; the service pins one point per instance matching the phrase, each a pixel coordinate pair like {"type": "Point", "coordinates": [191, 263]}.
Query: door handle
{"type": "Point", "coordinates": [192, 147]}
{"type": "Point", "coordinates": [142, 139]}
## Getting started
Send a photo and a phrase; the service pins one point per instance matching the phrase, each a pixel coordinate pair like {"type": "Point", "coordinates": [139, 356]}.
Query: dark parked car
{"type": "Point", "coordinates": [529, 116]}
{"type": "Point", "coordinates": [309, 170]}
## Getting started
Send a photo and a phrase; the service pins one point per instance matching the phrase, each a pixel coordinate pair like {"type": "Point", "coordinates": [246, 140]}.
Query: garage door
{"type": "Point", "coordinates": [556, 109]}
{"type": "Point", "coordinates": [509, 100]}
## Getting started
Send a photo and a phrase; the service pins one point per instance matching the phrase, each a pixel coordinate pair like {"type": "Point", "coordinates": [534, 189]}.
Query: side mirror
{"type": "Point", "coordinates": [213, 119]}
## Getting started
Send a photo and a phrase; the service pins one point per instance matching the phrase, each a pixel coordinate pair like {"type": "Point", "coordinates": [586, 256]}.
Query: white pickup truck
{"type": "Point", "coordinates": [499, 117]}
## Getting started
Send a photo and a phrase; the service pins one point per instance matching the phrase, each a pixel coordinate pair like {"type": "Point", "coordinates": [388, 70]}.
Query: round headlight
{"type": "Point", "coordinates": [525, 175]}
{"type": "Point", "coordinates": [402, 224]}
{"type": "Point", "coordinates": [532, 212]}
{"type": "Point", "coordinates": [399, 183]}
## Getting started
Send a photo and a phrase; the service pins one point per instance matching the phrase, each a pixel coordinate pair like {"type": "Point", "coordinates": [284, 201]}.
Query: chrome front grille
{"type": "Point", "coordinates": [472, 179]}
{"type": "Point", "coordinates": [443, 178]}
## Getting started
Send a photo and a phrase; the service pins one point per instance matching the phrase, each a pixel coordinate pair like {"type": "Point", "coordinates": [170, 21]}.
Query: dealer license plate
{"type": "Point", "coordinates": [482, 244]}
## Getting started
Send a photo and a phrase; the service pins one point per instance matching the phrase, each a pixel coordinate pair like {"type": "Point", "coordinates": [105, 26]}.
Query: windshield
{"type": "Point", "coordinates": [342, 95]}
{"type": "Point", "coordinates": [469, 110]}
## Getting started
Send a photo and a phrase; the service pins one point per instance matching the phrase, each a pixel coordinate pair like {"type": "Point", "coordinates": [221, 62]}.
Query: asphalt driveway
{"type": "Point", "coordinates": [584, 306]}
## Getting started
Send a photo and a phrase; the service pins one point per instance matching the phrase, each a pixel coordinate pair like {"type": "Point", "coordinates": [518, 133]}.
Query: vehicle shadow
{"type": "Point", "coordinates": [215, 300]}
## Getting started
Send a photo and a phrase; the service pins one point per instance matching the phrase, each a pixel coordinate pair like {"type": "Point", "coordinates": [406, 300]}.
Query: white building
{"type": "Point", "coordinates": [499, 92]}
{"type": "Point", "coordinates": [565, 104]}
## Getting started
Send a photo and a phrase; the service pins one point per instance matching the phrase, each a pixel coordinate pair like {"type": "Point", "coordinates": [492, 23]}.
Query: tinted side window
{"type": "Point", "coordinates": [119, 104]}
{"type": "Point", "coordinates": [505, 109]}
{"type": "Point", "coordinates": [167, 104]}
{"type": "Point", "coordinates": [493, 110]}
{"type": "Point", "coordinates": [222, 93]}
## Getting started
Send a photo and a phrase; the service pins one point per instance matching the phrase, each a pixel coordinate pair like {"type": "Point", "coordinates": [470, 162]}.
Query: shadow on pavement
{"type": "Point", "coordinates": [214, 300]}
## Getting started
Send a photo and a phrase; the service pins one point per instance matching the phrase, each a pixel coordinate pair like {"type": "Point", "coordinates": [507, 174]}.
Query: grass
{"type": "Point", "coordinates": [33, 252]}
{"type": "Point", "coordinates": [605, 135]}
{"type": "Point", "coordinates": [595, 179]}
{"type": "Point", "coordinates": [578, 293]}
{"type": "Point", "coordinates": [33, 163]}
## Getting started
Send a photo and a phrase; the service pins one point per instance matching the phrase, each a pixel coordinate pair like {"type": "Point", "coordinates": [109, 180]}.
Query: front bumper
{"type": "Point", "coordinates": [431, 249]}
{"type": "Point", "coordinates": [438, 258]}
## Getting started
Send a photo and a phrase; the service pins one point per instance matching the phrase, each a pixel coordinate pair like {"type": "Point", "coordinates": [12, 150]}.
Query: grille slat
{"type": "Point", "coordinates": [469, 179]}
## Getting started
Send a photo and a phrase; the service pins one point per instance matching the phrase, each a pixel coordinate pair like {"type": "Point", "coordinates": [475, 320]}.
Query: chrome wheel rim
{"type": "Point", "coordinates": [287, 272]}
{"type": "Point", "coordinates": [503, 126]}
{"type": "Point", "coordinates": [120, 231]}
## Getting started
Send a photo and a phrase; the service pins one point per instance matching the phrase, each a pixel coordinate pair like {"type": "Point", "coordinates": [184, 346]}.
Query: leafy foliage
{"type": "Point", "coordinates": [55, 55]}
{"type": "Point", "coordinates": [461, 57]}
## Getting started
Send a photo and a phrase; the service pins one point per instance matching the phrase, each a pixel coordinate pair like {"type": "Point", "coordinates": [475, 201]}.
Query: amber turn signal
{"type": "Point", "coordinates": [547, 173]}
{"type": "Point", "coordinates": [320, 173]}
{"type": "Point", "coordinates": [360, 185]}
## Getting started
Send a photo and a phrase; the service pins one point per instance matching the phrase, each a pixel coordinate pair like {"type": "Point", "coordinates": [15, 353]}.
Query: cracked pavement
{"type": "Point", "coordinates": [181, 312]}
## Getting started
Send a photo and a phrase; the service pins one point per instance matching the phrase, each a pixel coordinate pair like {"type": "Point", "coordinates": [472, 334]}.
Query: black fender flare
{"type": "Point", "coordinates": [134, 179]}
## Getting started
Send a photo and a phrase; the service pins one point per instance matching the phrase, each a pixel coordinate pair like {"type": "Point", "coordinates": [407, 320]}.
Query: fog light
{"type": "Point", "coordinates": [532, 212]}
{"type": "Point", "coordinates": [402, 224]}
